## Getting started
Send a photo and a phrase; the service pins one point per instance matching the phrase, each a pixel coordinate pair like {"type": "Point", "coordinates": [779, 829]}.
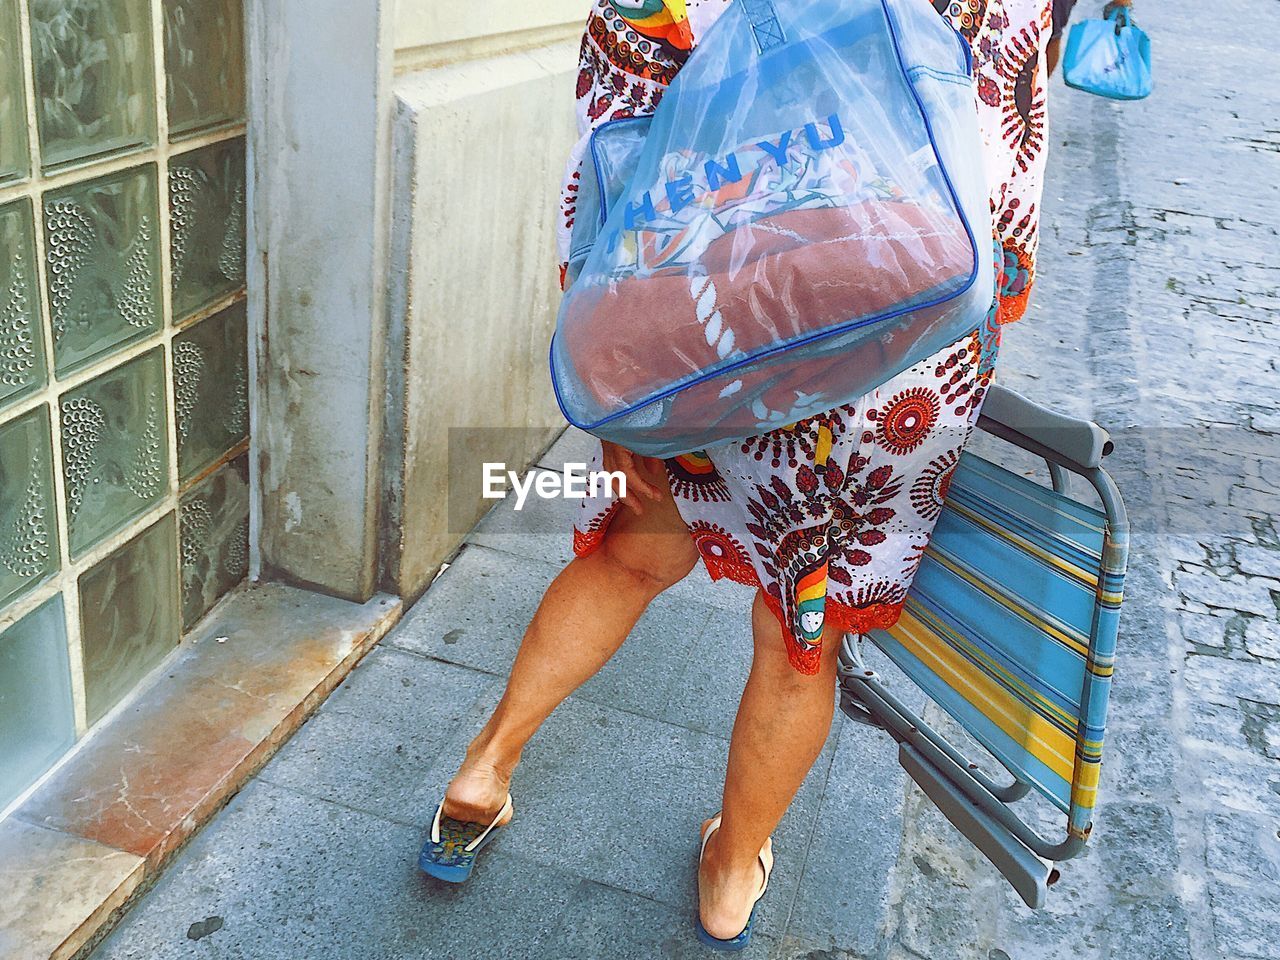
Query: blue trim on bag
{"type": "Point", "coordinates": [595, 157]}
{"type": "Point", "coordinates": [822, 334]}
{"type": "Point", "coordinates": [959, 79]}
{"type": "Point", "coordinates": [965, 50]}
{"type": "Point", "coordinates": [933, 145]}
{"type": "Point", "coordinates": [763, 20]}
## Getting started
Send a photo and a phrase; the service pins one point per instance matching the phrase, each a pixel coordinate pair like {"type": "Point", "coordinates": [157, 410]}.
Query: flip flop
{"type": "Point", "coordinates": [450, 852]}
{"type": "Point", "coordinates": [766, 861]}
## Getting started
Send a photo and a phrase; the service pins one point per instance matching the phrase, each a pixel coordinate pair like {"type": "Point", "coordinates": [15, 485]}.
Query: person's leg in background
{"type": "Point", "coordinates": [583, 618]}
{"type": "Point", "coordinates": [783, 721]}
{"type": "Point", "coordinates": [1053, 49]}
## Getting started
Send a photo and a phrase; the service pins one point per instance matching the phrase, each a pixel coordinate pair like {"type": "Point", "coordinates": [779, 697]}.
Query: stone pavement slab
{"type": "Point", "coordinates": [368, 745]}
{"type": "Point", "coordinates": [539, 531]}
{"type": "Point", "coordinates": [288, 876]}
{"type": "Point", "coordinates": [1246, 918]}
{"type": "Point", "coordinates": [623, 797]}
{"type": "Point", "coordinates": [706, 692]}
{"type": "Point", "coordinates": [844, 894]}
{"type": "Point", "coordinates": [476, 612]}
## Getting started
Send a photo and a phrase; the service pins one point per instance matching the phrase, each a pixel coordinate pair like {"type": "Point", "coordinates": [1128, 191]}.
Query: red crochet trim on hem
{"type": "Point", "coordinates": [876, 616]}
{"type": "Point", "coordinates": [721, 569]}
{"type": "Point", "coordinates": [586, 542]}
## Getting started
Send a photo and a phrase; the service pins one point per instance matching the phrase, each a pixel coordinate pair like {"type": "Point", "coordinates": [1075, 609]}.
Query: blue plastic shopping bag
{"type": "Point", "coordinates": [1110, 57]}
{"type": "Point", "coordinates": [804, 216]}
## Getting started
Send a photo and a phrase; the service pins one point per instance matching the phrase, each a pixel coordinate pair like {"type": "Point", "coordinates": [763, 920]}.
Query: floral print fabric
{"type": "Point", "coordinates": [831, 516]}
{"type": "Point", "coordinates": [1008, 39]}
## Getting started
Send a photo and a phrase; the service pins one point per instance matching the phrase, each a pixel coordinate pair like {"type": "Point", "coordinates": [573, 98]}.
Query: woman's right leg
{"type": "Point", "coordinates": [783, 721]}
{"type": "Point", "coordinates": [586, 613]}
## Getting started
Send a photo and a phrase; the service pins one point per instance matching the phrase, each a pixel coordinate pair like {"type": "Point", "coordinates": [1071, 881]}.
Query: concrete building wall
{"type": "Point", "coordinates": [428, 28]}
{"type": "Point", "coordinates": [483, 121]}
{"type": "Point", "coordinates": [320, 103]}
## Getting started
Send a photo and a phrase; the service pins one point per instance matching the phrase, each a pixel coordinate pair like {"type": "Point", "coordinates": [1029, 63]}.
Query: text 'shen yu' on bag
{"type": "Point", "coordinates": [803, 217]}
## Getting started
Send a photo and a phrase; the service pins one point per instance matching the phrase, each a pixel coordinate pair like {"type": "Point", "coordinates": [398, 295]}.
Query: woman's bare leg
{"type": "Point", "coordinates": [782, 724]}
{"type": "Point", "coordinates": [586, 613]}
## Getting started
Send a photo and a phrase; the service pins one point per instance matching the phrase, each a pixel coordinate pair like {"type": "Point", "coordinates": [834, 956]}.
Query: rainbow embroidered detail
{"type": "Point", "coordinates": [811, 604]}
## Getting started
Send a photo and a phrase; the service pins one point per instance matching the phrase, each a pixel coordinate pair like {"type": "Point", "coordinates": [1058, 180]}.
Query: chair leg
{"type": "Point", "coordinates": [851, 664]}
{"type": "Point", "coordinates": [1011, 792]}
{"type": "Point", "coordinates": [1026, 873]}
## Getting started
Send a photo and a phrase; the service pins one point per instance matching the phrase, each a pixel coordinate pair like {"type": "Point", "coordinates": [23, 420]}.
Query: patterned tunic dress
{"type": "Point", "coordinates": [831, 515]}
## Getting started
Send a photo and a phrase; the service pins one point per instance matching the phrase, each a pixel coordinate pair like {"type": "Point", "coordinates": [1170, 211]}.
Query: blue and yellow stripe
{"type": "Point", "coordinates": [1011, 626]}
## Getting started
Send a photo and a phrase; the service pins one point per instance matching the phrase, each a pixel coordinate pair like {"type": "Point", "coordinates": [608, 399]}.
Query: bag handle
{"type": "Point", "coordinates": [1121, 16]}
{"type": "Point", "coordinates": [764, 24]}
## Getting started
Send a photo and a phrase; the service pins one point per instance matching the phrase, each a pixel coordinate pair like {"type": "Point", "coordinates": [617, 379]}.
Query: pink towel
{"type": "Point", "coordinates": [782, 276]}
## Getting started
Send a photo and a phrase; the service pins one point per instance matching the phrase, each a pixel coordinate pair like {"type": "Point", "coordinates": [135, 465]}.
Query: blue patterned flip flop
{"type": "Point", "coordinates": [743, 938]}
{"type": "Point", "coordinates": [450, 852]}
{"type": "Point", "coordinates": [737, 943]}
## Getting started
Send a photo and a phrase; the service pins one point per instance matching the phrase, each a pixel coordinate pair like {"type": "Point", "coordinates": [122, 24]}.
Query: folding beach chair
{"type": "Point", "coordinates": [1010, 627]}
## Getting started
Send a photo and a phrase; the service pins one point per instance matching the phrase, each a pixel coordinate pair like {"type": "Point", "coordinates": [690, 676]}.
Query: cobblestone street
{"type": "Point", "coordinates": [1157, 313]}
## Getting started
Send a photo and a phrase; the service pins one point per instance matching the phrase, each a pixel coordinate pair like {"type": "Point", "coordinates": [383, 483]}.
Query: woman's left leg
{"type": "Point", "coordinates": [583, 618]}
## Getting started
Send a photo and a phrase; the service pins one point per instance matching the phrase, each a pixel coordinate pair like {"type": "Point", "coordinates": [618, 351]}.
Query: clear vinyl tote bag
{"type": "Point", "coordinates": [803, 217]}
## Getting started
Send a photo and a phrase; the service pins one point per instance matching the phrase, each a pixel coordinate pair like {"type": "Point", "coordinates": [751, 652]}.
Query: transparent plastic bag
{"type": "Point", "coordinates": [1110, 58]}
{"type": "Point", "coordinates": [803, 217]}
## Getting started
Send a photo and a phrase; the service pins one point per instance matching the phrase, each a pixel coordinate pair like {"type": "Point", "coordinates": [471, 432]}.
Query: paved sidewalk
{"type": "Point", "coordinates": [1157, 315]}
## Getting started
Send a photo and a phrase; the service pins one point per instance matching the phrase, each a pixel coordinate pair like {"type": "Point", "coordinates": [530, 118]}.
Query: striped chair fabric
{"type": "Point", "coordinates": [1011, 628]}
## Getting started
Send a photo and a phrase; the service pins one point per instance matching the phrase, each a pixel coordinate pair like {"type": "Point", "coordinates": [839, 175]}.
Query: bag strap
{"type": "Point", "coordinates": [764, 24]}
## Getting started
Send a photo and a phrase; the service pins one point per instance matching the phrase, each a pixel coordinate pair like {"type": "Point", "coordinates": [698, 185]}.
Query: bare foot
{"type": "Point", "coordinates": [726, 891]}
{"type": "Point", "coordinates": [478, 790]}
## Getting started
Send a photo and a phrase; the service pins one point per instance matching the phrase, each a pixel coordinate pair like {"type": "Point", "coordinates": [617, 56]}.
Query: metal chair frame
{"type": "Point", "coordinates": [974, 802]}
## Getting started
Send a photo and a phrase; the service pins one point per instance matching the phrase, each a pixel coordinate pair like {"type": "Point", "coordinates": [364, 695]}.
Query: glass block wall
{"type": "Point", "coordinates": [124, 413]}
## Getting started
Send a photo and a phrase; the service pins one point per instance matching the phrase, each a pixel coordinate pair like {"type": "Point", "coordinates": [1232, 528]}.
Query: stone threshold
{"type": "Point", "coordinates": [96, 834]}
